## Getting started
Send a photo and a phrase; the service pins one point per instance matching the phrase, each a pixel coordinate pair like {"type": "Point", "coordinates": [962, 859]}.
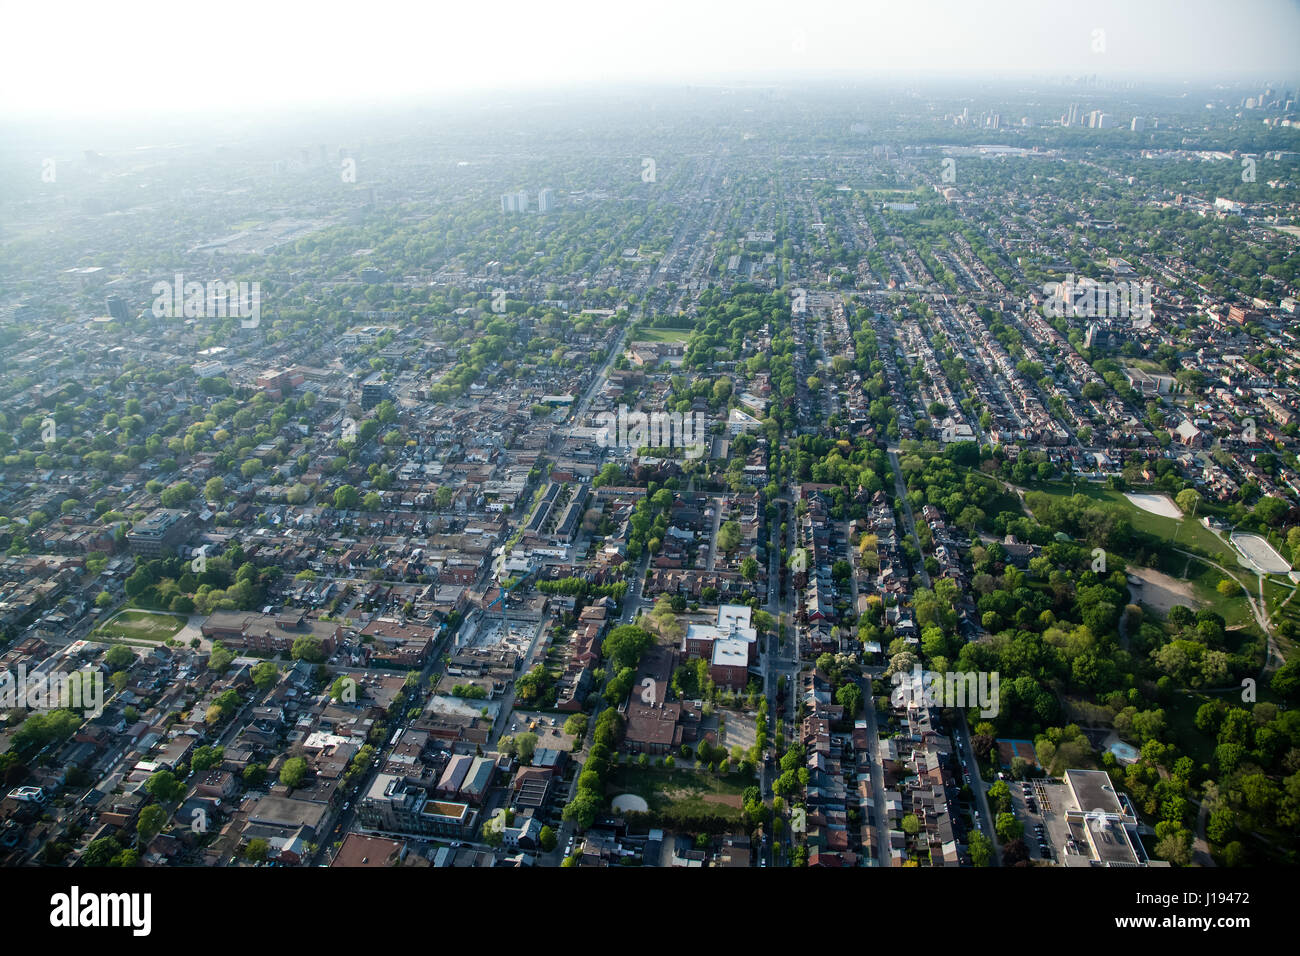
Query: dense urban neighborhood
{"type": "Point", "coordinates": [890, 476]}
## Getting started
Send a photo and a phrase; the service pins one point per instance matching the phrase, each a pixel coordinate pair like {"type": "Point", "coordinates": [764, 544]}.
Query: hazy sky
{"type": "Point", "coordinates": [103, 57]}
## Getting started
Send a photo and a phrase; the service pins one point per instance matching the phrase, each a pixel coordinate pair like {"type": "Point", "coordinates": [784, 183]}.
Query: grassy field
{"type": "Point", "coordinates": [1204, 579]}
{"type": "Point", "coordinates": [662, 335]}
{"type": "Point", "coordinates": [1188, 533]}
{"type": "Point", "coordinates": [1282, 610]}
{"type": "Point", "coordinates": [1180, 712]}
{"type": "Point", "coordinates": [140, 626]}
{"type": "Point", "coordinates": [692, 790]}
{"type": "Point", "coordinates": [1004, 501]}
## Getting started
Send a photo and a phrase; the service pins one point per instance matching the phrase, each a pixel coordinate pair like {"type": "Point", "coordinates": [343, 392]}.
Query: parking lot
{"type": "Point", "coordinates": [1040, 806]}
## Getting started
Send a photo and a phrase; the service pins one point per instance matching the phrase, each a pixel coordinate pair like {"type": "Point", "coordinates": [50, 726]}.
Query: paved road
{"type": "Point", "coordinates": [718, 504]}
{"type": "Point", "coordinates": [961, 732]}
{"type": "Point", "coordinates": [977, 784]}
{"type": "Point", "coordinates": [877, 773]}
{"type": "Point", "coordinates": [901, 492]}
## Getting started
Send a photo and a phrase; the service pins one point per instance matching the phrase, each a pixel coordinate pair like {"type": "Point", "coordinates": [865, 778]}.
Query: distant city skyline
{"type": "Point", "coordinates": [101, 60]}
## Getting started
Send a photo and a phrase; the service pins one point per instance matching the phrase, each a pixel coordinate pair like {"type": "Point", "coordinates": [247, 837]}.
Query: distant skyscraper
{"type": "Point", "coordinates": [544, 200]}
{"type": "Point", "coordinates": [507, 202]}
{"type": "Point", "coordinates": [117, 310]}
{"type": "Point", "coordinates": [1139, 124]}
{"type": "Point", "coordinates": [521, 201]}
{"type": "Point", "coordinates": [514, 202]}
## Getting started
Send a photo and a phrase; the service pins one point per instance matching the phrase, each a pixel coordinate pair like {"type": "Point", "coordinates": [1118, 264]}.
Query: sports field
{"type": "Point", "coordinates": [1155, 504]}
{"type": "Point", "coordinates": [1257, 554]}
{"type": "Point", "coordinates": [140, 626]}
{"type": "Point", "coordinates": [662, 335]}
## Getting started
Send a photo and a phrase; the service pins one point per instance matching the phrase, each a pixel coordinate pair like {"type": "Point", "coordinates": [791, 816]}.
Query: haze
{"type": "Point", "coordinates": [97, 59]}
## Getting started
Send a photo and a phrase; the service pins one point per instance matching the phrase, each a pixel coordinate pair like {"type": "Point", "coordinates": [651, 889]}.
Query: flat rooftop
{"type": "Point", "coordinates": [1110, 842]}
{"type": "Point", "coordinates": [1093, 790]}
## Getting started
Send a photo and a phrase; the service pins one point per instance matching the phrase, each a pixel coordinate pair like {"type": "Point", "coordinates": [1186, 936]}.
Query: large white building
{"type": "Point", "coordinates": [1100, 824]}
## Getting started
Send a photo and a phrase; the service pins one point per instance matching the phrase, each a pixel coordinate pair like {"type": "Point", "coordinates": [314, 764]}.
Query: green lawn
{"type": "Point", "coordinates": [687, 790]}
{"type": "Point", "coordinates": [1004, 500]}
{"type": "Point", "coordinates": [1282, 610]}
{"type": "Point", "coordinates": [661, 335]}
{"type": "Point", "coordinates": [1188, 533]}
{"type": "Point", "coordinates": [140, 626]}
{"type": "Point", "coordinates": [1180, 712]}
{"type": "Point", "coordinates": [1204, 579]}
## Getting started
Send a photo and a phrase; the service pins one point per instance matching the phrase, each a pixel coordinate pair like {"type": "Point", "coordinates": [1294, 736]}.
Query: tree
{"type": "Point", "coordinates": [119, 657]}
{"type": "Point", "coordinates": [1015, 853]}
{"type": "Point", "coordinates": [625, 645]}
{"type": "Point", "coordinates": [164, 787]}
{"type": "Point", "coordinates": [344, 689]}
{"type": "Point", "coordinates": [1271, 511]}
{"type": "Point", "coordinates": [547, 839]}
{"type": "Point", "coordinates": [730, 536]}
{"type": "Point", "coordinates": [178, 494]}
{"type": "Point", "coordinates": [576, 726]}
{"type": "Point", "coordinates": [307, 648]}
{"type": "Point", "coordinates": [1227, 586]}
{"type": "Point", "coordinates": [981, 849]}
{"type": "Point", "coordinates": [220, 657]}
{"type": "Point", "coordinates": [150, 823]}
{"type": "Point", "coordinates": [257, 850]}
{"type": "Point", "coordinates": [293, 772]}
{"type": "Point", "coordinates": [583, 808]}
{"type": "Point", "coordinates": [101, 852]}
{"type": "Point", "coordinates": [1008, 827]}
{"type": "Point", "coordinates": [206, 757]}
{"type": "Point", "coordinates": [264, 675]}
{"type": "Point", "coordinates": [522, 746]}
{"type": "Point", "coordinates": [1234, 854]}
{"type": "Point", "coordinates": [1176, 847]}
{"type": "Point", "coordinates": [999, 795]}
{"type": "Point", "coordinates": [214, 489]}
{"type": "Point", "coordinates": [346, 497]}
{"type": "Point", "coordinates": [910, 824]}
